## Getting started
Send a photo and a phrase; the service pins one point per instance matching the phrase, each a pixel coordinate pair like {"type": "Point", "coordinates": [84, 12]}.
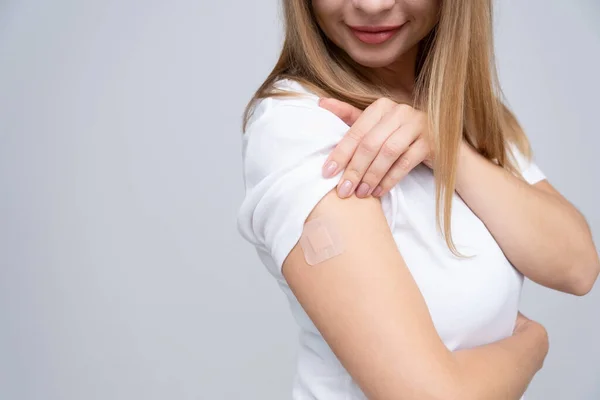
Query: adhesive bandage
{"type": "Point", "coordinates": [320, 240]}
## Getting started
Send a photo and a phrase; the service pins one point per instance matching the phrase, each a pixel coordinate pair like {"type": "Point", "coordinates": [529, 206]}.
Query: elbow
{"type": "Point", "coordinates": [583, 278]}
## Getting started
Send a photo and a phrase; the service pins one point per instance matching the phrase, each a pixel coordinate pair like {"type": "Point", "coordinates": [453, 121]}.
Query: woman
{"type": "Point", "coordinates": [411, 290]}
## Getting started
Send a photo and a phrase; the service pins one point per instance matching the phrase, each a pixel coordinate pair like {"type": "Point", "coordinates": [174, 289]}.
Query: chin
{"type": "Point", "coordinates": [377, 60]}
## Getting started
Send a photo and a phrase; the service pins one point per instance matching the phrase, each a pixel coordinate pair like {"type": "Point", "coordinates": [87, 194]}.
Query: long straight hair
{"type": "Point", "coordinates": [456, 85]}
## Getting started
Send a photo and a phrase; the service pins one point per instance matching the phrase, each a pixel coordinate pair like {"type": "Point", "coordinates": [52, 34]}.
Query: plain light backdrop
{"type": "Point", "coordinates": [122, 275]}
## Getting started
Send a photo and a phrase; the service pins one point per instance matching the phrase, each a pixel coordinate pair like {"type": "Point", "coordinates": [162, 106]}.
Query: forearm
{"type": "Point", "coordinates": [544, 236]}
{"type": "Point", "coordinates": [502, 370]}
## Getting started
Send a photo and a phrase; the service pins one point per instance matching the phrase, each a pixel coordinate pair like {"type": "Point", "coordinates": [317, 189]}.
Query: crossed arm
{"type": "Point", "coordinates": [377, 323]}
{"type": "Point", "coordinates": [543, 235]}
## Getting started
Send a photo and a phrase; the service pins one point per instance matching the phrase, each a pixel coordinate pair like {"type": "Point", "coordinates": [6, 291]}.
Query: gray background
{"type": "Point", "coordinates": [122, 275]}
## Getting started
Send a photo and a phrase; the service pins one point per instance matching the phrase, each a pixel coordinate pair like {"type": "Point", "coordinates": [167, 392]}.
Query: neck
{"type": "Point", "coordinates": [399, 77]}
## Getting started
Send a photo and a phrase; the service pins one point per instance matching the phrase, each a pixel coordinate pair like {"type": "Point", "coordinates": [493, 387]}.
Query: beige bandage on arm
{"type": "Point", "coordinates": [320, 240]}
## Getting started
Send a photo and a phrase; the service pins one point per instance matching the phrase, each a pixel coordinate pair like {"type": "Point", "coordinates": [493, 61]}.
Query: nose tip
{"type": "Point", "coordinates": [373, 6]}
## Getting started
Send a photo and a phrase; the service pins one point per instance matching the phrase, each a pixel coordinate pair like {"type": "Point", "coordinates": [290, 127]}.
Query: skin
{"type": "Point", "coordinates": [365, 301]}
{"type": "Point", "coordinates": [370, 311]}
{"type": "Point", "coordinates": [543, 235]}
{"type": "Point", "coordinates": [393, 60]}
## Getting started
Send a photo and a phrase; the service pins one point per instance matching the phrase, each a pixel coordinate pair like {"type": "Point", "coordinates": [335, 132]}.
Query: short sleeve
{"type": "Point", "coordinates": [529, 168]}
{"type": "Point", "coordinates": [283, 151]}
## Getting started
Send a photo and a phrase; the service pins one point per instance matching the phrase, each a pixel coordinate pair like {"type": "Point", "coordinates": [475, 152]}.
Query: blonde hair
{"type": "Point", "coordinates": [456, 85]}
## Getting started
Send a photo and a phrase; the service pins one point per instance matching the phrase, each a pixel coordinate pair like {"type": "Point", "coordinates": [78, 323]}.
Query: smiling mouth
{"type": "Point", "coordinates": [374, 34]}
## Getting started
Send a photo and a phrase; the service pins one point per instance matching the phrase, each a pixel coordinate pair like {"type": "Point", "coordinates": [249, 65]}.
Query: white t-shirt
{"type": "Point", "coordinates": [472, 301]}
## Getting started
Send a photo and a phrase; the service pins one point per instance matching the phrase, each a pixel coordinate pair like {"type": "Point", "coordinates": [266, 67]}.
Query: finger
{"type": "Point", "coordinates": [392, 149]}
{"type": "Point", "coordinates": [344, 150]}
{"type": "Point", "coordinates": [402, 166]}
{"type": "Point", "coordinates": [368, 148]}
{"type": "Point", "coordinates": [376, 141]}
{"type": "Point", "coordinates": [346, 112]}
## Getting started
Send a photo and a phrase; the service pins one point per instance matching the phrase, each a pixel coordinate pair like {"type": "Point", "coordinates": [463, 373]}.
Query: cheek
{"type": "Point", "coordinates": [327, 10]}
{"type": "Point", "coordinates": [423, 11]}
{"type": "Point", "coordinates": [328, 14]}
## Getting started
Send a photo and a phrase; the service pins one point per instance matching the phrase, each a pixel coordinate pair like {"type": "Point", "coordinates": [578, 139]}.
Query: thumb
{"type": "Point", "coordinates": [346, 112]}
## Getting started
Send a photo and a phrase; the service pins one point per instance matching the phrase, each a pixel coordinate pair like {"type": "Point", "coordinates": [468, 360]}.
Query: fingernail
{"type": "Point", "coordinates": [329, 169]}
{"type": "Point", "coordinates": [377, 191]}
{"type": "Point", "coordinates": [345, 189]}
{"type": "Point", "coordinates": [362, 190]}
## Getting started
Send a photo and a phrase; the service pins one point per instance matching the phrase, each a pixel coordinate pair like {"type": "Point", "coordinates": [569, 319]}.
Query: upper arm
{"type": "Point", "coordinates": [545, 186]}
{"type": "Point", "coordinates": [364, 301]}
{"type": "Point", "coordinates": [533, 173]}
{"type": "Point", "coordinates": [368, 307]}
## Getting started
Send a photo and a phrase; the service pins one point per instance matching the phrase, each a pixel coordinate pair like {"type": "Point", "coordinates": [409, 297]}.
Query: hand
{"type": "Point", "coordinates": [524, 324]}
{"type": "Point", "coordinates": [384, 143]}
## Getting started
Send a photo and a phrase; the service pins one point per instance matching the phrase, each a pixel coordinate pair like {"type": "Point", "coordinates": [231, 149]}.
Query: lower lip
{"type": "Point", "coordinates": [374, 37]}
